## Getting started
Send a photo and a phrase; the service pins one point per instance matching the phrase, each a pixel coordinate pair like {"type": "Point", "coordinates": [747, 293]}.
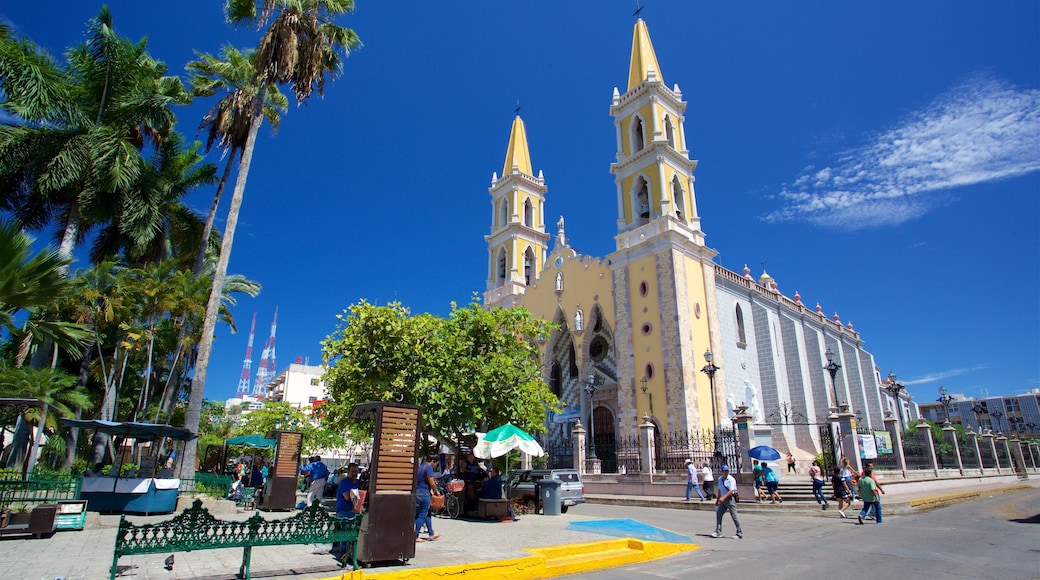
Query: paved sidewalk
{"type": "Point", "coordinates": [87, 554]}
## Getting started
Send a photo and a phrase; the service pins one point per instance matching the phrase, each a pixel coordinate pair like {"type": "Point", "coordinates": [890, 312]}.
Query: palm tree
{"type": "Point", "coordinates": [301, 47]}
{"type": "Point", "coordinates": [227, 123]}
{"type": "Point", "coordinates": [33, 284]}
{"type": "Point", "coordinates": [59, 393]}
{"type": "Point", "coordinates": [150, 223]}
{"type": "Point", "coordinates": [80, 127]}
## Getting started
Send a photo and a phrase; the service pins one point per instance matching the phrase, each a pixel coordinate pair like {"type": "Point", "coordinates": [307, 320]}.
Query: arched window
{"type": "Point", "coordinates": [528, 265]}
{"type": "Point", "coordinates": [642, 194]}
{"type": "Point", "coordinates": [741, 337]}
{"type": "Point", "coordinates": [669, 131]}
{"type": "Point", "coordinates": [528, 214]}
{"type": "Point", "coordinates": [573, 363]}
{"type": "Point", "coordinates": [503, 213]}
{"type": "Point", "coordinates": [555, 380]}
{"type": "Point", "coordinates": [637, 136]}
{"type": "Point", "coordinates": [678, 194]}
{"type": "Point", "coordinates": [502, 266]}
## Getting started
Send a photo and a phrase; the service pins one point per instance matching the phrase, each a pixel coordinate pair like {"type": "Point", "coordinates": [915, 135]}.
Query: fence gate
{"type": "Point", "coordinates": [828, 451]}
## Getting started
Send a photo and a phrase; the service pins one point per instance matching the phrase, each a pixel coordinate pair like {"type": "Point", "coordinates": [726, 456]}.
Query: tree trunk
{"type": "Point", "coordinates": [19, 441]}
{"type": "Point", "coordinates": [207, 231]}
{"type": "Point", "coordinates": [198, 382]}
{"type": "Point", "coordinates": [72, 434]}
{"type": "Point", "coordinates": [70, 236]}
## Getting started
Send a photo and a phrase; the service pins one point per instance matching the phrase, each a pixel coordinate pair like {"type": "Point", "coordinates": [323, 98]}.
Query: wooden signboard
{"type": "Point", "coordinates": [388, 530]}
{"type": "Point", "coordinates": [280, 487]}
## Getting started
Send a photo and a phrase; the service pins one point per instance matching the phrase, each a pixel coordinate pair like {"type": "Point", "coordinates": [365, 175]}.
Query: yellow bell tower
{"type": "Point", "coordinates": [517, 242]}
{"type": "Point", "coordinates": [663, 272]}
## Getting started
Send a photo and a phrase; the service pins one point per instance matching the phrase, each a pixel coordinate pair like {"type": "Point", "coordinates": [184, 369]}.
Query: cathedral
{"type": "Point", "coordinates": [638, 328]}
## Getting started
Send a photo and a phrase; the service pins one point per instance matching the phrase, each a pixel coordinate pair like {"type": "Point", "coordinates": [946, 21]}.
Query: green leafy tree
{"type": "Point", "coordinates": [279, 415]}
{"type": "Point", "coordinates": [478, 368]}
{"type": "Point", "coordinates": [300, 47]}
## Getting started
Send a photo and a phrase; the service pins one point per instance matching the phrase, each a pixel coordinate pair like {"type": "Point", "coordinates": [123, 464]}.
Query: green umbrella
{"type": "Point", "coordinates": [498, 442]}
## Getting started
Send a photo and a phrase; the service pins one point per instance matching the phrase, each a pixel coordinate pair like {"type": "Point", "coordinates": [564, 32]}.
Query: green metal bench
{"type": "Point", "coordinates": [196, 529]}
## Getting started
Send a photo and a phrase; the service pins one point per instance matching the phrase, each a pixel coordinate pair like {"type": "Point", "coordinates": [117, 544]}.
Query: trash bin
{"type": "Point", "coordinates": [550, 495]}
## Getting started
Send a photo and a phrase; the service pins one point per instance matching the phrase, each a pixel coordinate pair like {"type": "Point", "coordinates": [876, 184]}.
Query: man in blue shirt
{"type": "Point", "coordinates": [317, 474]}
{"type": "Point", "coordinates": [346, 491]}
{"type": "Point", "coordinates": [425, 487]}
{"type": "Point", "coordinates": [492, 489]}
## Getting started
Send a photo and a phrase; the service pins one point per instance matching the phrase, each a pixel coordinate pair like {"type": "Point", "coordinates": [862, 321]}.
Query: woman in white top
{"type": "Point", "coordinates": [709, 481]}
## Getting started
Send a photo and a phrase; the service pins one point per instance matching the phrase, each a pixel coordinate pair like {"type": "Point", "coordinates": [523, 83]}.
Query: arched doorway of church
{"type": "Point", "coordinates": [603, 439]}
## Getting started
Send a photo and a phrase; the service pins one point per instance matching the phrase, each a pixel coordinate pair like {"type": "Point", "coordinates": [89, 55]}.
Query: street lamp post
{"type": "Point", "coordinates": [945, 399]}
{"type": "Point", "coordinates": [978, 410]}
{"type": "Point", "coordinates": [710, 370]}
{"type": "Point", "coordinates": [650, 396]}
{"type": "Point", "coordinates": [894, 389]}
{"type": "Point", "coordinates": [590, 389]}
{"type": "Point", "coordinates": [832, 368]}
{"type": "Point", "coordinates": [997, 415]}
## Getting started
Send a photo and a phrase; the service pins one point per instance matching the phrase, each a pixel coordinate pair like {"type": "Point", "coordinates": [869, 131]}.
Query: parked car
{"type": "Point", "coordinates": [572, 490]}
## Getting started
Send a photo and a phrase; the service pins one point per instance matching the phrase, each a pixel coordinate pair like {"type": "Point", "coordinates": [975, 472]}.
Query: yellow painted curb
{"type": "Point", "coordinates": [545, 562]}
{"type": "Point", "coordinates": [936, 501]}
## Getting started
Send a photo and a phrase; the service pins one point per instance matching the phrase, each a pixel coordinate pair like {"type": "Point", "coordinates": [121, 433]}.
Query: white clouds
{"type": "Point", "coordinates": [940, 375]}
{"type": "Point", "coordinates": [981, 131]}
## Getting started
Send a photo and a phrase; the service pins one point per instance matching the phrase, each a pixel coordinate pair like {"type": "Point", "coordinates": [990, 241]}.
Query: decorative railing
{"type": "Point", "coordinates": [945, 455]}
{"type": "Point", "coordinates": [969, 457]}
{"type": "Point", "coordinates": [209, 484]}
{"type": "Point", "coordinates": [916, 453]}
{"type": "Point", "coordinates": [627, 454]}
{"type": "Point", "coordinates": [986, 454]}
{"type": "Point", "coordinates": [41, 487]}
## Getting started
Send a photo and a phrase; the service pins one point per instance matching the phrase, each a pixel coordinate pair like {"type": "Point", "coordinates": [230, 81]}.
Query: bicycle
{"type": "Point", "coordinates": [452, 504]}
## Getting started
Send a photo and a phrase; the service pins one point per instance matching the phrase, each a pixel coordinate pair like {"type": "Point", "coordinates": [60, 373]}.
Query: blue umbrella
{"type": "Point", "coordinates": [764, 453]}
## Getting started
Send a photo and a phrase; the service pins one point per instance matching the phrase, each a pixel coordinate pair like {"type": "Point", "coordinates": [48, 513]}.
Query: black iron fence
{"type": "Point", "coordinates": [560, 454]}
{"type": "Point", "coordinates": [916, 452]}
{"type": "Point", "coordinates": [945, 452]}
{"type": "Point", "coordinates": [1002, 454]}
{"type": "Point", "coordinates": [969, 456]}
{"type": "Point", "coordinates": [986, 453]}
{"type": "Point", "coordinates": [827, 452]}
{"type": "Point", "coordinates": [678, 446]}
{"type": "Point", "coordinates": [626, 455]}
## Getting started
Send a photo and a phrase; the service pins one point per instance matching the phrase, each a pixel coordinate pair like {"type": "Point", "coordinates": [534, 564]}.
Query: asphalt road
{"type": "Point", "coordinates": [994, 537]}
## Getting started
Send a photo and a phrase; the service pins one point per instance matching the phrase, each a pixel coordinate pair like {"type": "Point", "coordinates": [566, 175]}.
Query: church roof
{"type": "Point", "coordinates": [644, 59]}
{"type": "Point", "coordinates": [517, 153]}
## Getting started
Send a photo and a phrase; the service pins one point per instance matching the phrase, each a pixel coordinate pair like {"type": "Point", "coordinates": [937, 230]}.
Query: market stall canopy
{"type": "Point", "coordinates": [255, 440]}
{"type": "Point", "coordinates": [139, 431]}
{"type": "Point", "coordinates": [498, 442]}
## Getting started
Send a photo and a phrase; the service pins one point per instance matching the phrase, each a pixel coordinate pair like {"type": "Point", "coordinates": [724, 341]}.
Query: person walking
{"type": "Point", "coordinates": [426, 486]}
{"type": "Point", "coordinates": [691, 480]}
{"type": "Point", "coordinates": [317, 474]}
{"type": "Point", "coordinates": [816, 474]}
{"type": "Point", "coordinates": [756, 471]}
{"type": "Point", "coordinates": [727, 502]}
{"type": "Point", "coordinates": [868, 490]}
{"type": "Point", "coordinates": [772, 483]}
{"type": "Point", "coordinates": [847, 474]}
{"type": "Point", "coordinates": [842, 493]}
{"type": "Point", "coordinates": [791, 468]}
{"type": "Point", "coordinates": [877, 497]}
{"type": "Point", "coordinates": [709, 481]}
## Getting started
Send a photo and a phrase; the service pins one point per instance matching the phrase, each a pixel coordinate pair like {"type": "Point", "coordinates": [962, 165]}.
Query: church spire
{"type": "Point", "coordinates": [517, 154]}
{"type": "Point", "coordinates": [644, 65]}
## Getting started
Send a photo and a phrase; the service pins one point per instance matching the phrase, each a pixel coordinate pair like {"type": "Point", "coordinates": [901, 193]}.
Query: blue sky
{"type": "Point", "coordinates": [882, 158]}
